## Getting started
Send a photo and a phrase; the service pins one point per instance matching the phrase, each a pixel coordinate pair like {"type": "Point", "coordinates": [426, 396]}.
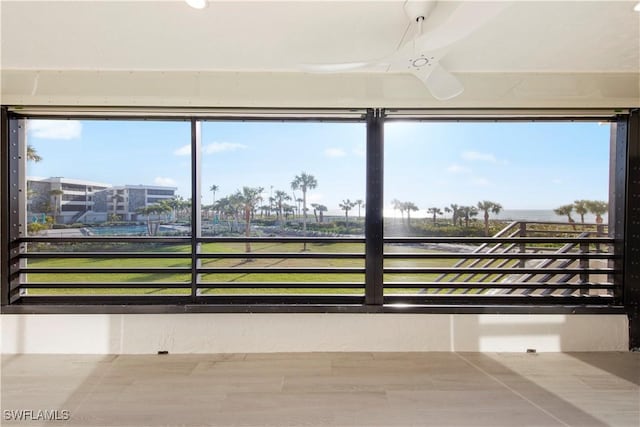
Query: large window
{"type": "Point", "coordinates": [106, 179]}
{"type": "Point", "coordinates": [349, 209]}
{"type": "Point", "coordinates": [282, 180]}
{"type": "Point", "coordinates": [484, 179]}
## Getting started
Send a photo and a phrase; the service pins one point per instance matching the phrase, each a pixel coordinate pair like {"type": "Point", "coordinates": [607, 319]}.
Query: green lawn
{"type": "Point", "coordinates": [215, 248]}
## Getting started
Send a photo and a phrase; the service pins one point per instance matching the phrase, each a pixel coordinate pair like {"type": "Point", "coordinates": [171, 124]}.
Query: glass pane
{"type": "Point", "coordinates": [507, 179]}
{"type": "Point", "coordinates": [281, 180]}
{"type": "Point", "coordinates": [107, 178]}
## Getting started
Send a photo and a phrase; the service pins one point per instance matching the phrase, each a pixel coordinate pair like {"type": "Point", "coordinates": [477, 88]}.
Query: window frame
{"type": "Point", "coordinates": [373, 301]}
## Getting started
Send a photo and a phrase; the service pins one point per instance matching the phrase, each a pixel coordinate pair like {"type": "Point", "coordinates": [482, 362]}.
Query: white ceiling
{"type": "Point", "coordinates": [250, 53]}
{"type": "Point", "coordinates": [541, 36]}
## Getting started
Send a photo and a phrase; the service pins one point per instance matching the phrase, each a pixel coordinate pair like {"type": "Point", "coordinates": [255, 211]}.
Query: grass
{"type": "Point", "coordinates": [240, 278]}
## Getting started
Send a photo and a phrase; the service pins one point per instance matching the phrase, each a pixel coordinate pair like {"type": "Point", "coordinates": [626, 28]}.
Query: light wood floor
{"type": "Point", "coordinates": [338, 389]}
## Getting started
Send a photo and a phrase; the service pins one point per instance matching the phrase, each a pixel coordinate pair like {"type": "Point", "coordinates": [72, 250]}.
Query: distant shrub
{"type": "Point", "coordinates": [36, 227]}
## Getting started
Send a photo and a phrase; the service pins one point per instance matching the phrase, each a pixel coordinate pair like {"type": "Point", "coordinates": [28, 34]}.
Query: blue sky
{"type": "Point", "coordinates": [520, 165]}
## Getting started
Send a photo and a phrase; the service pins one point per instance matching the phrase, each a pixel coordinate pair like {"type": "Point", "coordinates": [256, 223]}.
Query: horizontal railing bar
{"type": "Point", "coordinates": [103, 255]}
{"type": "Point", "coordinates": [104, 239]}
{"type": "Point", "coordinates": [179, 299]}
{"type": "Point", "coordinates": [185, 240]}
{"type": "Point", "coordinates": [565, 223]}
{"type": "Point", "coordinates": [96, 270]}
{"type": "Point", "coordinates": [529, 230]}
{"type": "Point", "coordinates": [295, 239]}
{"type": "Point", "coordinates": [113, 285]}
{"type": "Point", "coordinates": [480, 240]}
{"type": "Point", "coordinates": [107, 299]}
{"type": "Point", "coordinates": [497, 255]}
{"type": "Point", "coordinates": [497, 285]}
{"type": "Point", "coordinates": [515, 270]}
{"type": "Point", "coordinates": [292, 255]}
{"type": "Point", "coordinates": [508, 299]}
{"type": "Point", "coordinates": [283, 299]}
{"type": "Point", "coordinates": [281, 285]}
{"type": "Point", "coordinates": [292, 270]}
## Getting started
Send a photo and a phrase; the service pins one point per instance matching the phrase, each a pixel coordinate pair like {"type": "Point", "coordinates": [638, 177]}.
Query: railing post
{"type": "Point", "coordinates": [523, 247]}
{"type": "Point", "coordinates": [584, 264]}
{"type": "Point", "coordinates": [374, 220]}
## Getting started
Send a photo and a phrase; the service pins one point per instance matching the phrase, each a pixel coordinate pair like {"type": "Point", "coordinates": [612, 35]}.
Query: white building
{"type": "Point", "coordinates": [68, 200]}
{"type": "Point", "coordinates": [74, 200]}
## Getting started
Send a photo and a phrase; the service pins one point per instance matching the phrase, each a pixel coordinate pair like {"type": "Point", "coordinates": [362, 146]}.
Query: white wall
{"type": "Point", "coordinates": [281, 89]}
{"type": "Point", "coordinates": [252, 333]}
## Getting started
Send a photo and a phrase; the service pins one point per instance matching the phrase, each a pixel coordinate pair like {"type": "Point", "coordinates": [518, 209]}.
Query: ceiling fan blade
{"type": "Point", "coordinates": [442, 84]}
{"type": "Point", "coordinates": [333, 68]}
{"type": "Point", "coordinates": [463, 21]}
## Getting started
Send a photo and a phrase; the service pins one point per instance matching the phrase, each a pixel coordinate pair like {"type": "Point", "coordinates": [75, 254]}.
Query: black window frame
{"type": "Point", "coordinates": [624, 214]}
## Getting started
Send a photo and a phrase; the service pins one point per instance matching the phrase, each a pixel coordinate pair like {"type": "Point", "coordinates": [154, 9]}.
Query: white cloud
{"type": "Point", "coordinates": [334, 152]}
{"type": "Point", "coordinates": [477, 156]}
{"type": "Point", "coordinates": [214, 147]}
{"type": "Point", "coordinates": [167, 182]}
{"type": "Point", "coordinates": [219, 147]}
{"type": "Point", "coordinates": [55, 129]}
{"type": "Point", "coordinates": [556, 181]}
{"type": "Point", "coordinates": [458, 169]}
{"type": "Point", "coordinates": [185, 150]}
{"type": "Point", "coordinates": [480, 182]}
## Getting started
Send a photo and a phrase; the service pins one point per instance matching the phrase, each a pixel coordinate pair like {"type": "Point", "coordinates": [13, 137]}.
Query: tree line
{"type": "Point", "coordinates": [459, 213]}
{"type": "Point", "coordinates": [583, 207]}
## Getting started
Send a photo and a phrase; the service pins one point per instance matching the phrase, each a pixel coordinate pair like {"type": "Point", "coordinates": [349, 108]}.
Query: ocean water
{"type": "Point", "coordinates": [539, 215]}
{"type": "Point", "coordinates": [545, 215]}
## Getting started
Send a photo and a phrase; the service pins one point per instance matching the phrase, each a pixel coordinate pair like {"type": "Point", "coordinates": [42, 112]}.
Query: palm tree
{"type": "Point", "coordinates": [32, 154]}
{"type": "Point", "coordinates": [360, 204]}
{"type": "Point", "coordinates": [213, 189]}
{"type": "Point", "coordinates": [398, 206]}
{"type": "Point", "coordinates": [467, 213]}
{"type": "Point", "coordinates": [581, 208]}
{"type": "Point", "coordinates": [57, 200]}
{"type": "Point", "coordinates": [409, 206]}
{"type": "Point", "coordinates": [304, 182]}
{"type": "Point", "coordinates": [278, 199]}
{"type": "Point", "coordinates": [315, 211]}
{"type": "Point", "coordinates": [321, 209]}
{"type": "Point", "coordinates": [298, 201]}
{"type": "Point", "coordinates": [249, 198]}
{"type": "Point", "coordinates": [156, 209]}
{"type": "Point", "coordinates": [565, 210]}
{"type": "Point", "coordinates": [346, 206]}
{"type": "Point", "coordinates": [455, 212]}
{"type": "Point", "coordinates": [487, 207]}
{"type": "Point", "coordinates": [115, 199]}
{"type": "Point", "coordinates": [598, 208]}
{"type": "Point", "coordinates": [435, 211]}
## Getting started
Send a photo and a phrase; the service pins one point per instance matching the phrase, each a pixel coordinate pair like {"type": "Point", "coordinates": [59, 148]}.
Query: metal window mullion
{"type": "Point", "coordinates": [12, 226]}
{"type": "Point", "coordinates": [4, 213]}
{"type": "Point", "coordinates": [629, 237]}
{"type": "Point", "coordinates": [196, 143]}
{"type": "Point", "coordinates": [374, 224]}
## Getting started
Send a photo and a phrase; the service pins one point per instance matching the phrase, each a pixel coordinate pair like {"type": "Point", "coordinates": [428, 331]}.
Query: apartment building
{"type": "Point", "coordinates": [125, 201]}
{"type": "Point", "coordinates": [73, 200]}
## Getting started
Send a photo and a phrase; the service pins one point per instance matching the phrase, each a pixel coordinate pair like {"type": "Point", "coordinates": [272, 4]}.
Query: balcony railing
{"type": "Point", "coordinates": [526, 263]}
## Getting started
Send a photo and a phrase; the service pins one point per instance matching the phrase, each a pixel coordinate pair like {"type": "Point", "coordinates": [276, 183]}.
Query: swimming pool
{"type": "Point", "coordinates": [125, 230]}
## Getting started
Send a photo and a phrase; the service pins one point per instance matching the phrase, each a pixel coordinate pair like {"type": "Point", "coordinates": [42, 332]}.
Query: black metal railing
{"type": "Point", "coordinates": [527, 262]}
{"type": "Point", "coordinates": [534, 266]}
